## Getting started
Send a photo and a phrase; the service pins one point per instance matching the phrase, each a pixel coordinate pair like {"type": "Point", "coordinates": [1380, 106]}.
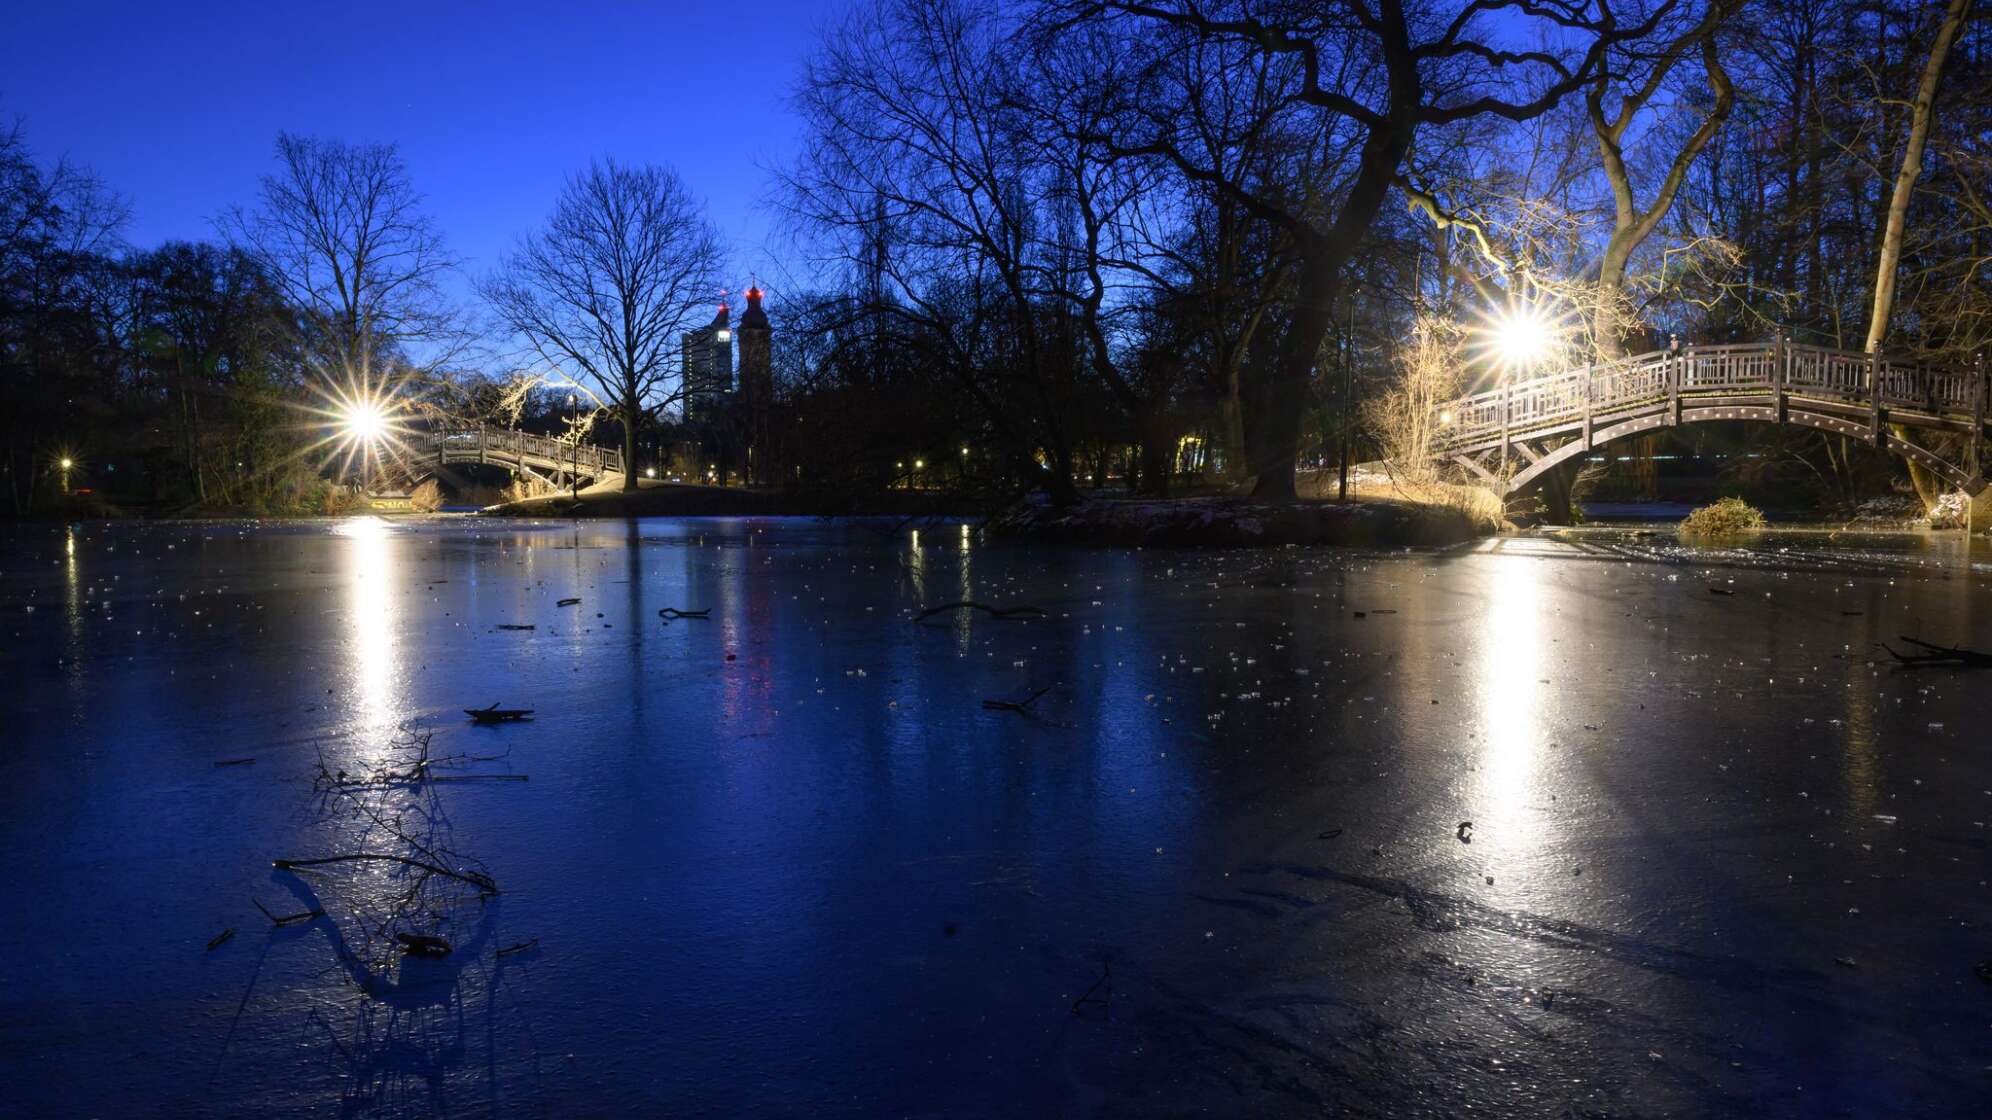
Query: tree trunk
{"type": "Point", "coordinates": [631, 412]}
{"type": "Point", "coordinates": [1276, 399]}
{"type": "Point", "coordinates": [1928, 486]}
{"type": "Point", "coordinates": [1158, 447]}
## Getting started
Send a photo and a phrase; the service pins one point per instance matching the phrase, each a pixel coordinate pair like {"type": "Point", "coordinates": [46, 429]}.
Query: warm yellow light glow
{"type": "Point", "coordinates": [1522, 337]}
{"type": "Point", "coordinates": [919, 464]}
{"type": "Point", "coordinates": [650, 472]}
{"type": "Point", "coordinates": [373, 670]}
{"type": "Point", "coordinates": [964, 452]}
{"type": "Point", "coordinates": [67, 462]}
{"type": "Point", "coordinates": [364, 421]}
{"type": "Point", "coordinates": [1445, 417]}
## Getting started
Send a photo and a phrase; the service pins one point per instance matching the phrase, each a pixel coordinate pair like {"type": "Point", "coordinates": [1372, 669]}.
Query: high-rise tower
{"type": "Point", "coordinates": [757, 387]}
{"type": "Point", "coordinates": [708, 354]}
{"type": "Point", "coordinates": [757, 379]}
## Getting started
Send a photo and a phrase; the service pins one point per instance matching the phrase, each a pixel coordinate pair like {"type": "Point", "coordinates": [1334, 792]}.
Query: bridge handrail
{"type": "Point", "coordinates": [520, 445]}
{"type": "Point", "coordinates": [1720, 369]}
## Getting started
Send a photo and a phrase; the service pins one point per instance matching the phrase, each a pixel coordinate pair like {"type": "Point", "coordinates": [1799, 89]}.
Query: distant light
{"type": "Point", "coordinates": [919, 464]}
{"type": "Point", "coordinates": [67, 462]}
{"type": "Point", "coordinates": [1445, 417]}
{"type": "Point", "coordinates": [724, 335]}
{"type": "Point", "coordinates": [650, 472]}
{"type": "Point", "coordinates": [964, 452]}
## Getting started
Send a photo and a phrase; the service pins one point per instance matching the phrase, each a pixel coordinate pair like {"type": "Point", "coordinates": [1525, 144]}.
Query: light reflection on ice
{"type": "Point", "coordinates": [1511, 690]}
{"type": "Point", "coordinates": [373, 668]}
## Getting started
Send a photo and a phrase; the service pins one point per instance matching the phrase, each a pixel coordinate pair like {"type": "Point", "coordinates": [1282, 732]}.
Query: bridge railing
{"type": "Point", "coordinates": [522, 447]}
{"type": "Point", "coordinates": [1643, 381]}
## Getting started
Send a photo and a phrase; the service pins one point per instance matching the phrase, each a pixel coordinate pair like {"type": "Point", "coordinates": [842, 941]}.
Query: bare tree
{"type": "Point", "coordinates": [1360, 81]}
{"type": "Point", "coordinates": [922, 171]}
{"type": "Point", "coordinates": [1912, 167]}
{"type": "Point", "coordinates": [1633, 223]}
{"type": "Point", "coordinates": [1920, 113]}
{"type": "Point", "coordinates": [604, 289]}
{"type": "Point", "coordinates": [341, 230]}
{"type": "Point", "coordinates": [57, 223]}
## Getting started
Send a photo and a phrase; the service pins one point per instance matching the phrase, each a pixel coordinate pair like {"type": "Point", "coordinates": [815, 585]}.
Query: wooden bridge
{"type": "Point", "coordinates": [1508, 437]}
{"type": "Point", "coordinates": [518, 451]}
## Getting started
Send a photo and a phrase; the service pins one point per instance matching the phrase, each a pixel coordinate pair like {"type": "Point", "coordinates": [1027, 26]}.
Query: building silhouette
{"type": "Point", "coordinates": [708, 366]}
{"type": "Point", "coordinates": [757, 389]}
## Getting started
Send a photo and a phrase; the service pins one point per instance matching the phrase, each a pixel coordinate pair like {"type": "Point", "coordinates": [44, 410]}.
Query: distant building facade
{"type": "Point", "coordinates": [735, 422]}
{"type": "Point", "coordinates": [708, 353]}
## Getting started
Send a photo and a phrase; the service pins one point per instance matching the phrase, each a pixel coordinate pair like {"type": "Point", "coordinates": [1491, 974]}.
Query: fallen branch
{"type": "Point", "coordinates": [287, 919]}
{"type": "Point", "coordinates": [519, 948]}
{"type": "Point", "coordinates": [992, 612]}
{"type": "Point", "coordinates": [516, 626]}
{"type": "Point", "coordinates": [235, 762]}
{"type": "Point", "coordinates": [496, 714]}
{"type": "Point", "coordinates": [1940, 655]}
{"type": "Point", "coordinates": [1022, 706]}
{"type": "Point", "coordinates": [669, 613]}
{"type": "Point", "coordinates": [221, 939]}
{"type": "Point", "coordinates": [476, 879]}
{"type": "Point", "coordinates": [567, 602]}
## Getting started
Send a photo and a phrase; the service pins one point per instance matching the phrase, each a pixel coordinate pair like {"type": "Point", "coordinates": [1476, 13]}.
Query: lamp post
{"type": "Point", "coordinates": [67, 463]}
{"type": "Point", "coordinates": [574, 448]}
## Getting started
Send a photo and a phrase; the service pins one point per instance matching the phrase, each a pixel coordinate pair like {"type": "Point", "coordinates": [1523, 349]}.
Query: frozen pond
{"type": "Point", "coordinates": [1724, 858]}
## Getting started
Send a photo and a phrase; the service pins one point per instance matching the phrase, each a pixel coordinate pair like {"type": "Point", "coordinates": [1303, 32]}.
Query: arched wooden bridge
{"type": "Point", "coordinates": [517, 451]}
{"type": "Point", "coordinates": [1508, 437]}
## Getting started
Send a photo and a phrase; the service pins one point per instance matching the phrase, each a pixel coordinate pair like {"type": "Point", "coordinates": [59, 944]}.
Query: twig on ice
{"type": "Point", "coordinates": [1015, 705]}
{"type": "Point", "coordinates": [476, 879]}
{"type": "Point", "coordinates": [992, 612]}
{"type": "Point", "coordinates": [1940, 655]}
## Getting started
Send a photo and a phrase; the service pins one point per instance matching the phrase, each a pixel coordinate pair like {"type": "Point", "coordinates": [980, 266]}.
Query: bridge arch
{"type": "Point", "coordinates": [1803, 417]}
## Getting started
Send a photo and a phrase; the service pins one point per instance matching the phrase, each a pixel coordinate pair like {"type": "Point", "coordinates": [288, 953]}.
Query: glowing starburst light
{"type": "Point", "coordinates": [364, 421]}
{"type": "Point", "coordinates": [1522, 337]}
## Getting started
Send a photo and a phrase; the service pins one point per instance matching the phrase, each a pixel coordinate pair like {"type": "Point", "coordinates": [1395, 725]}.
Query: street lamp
{"type": "Point", "coordinates": [1522, 337]}
{"type": "Point", "coordinates": [365, 425]}
{"type": "Point", "coordinates": [364, 422]}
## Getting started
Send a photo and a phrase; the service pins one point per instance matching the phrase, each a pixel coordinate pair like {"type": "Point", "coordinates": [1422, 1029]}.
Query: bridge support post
{"type": "Point", "coordinates": [1507, 425]}
{"type": "Point", "coordinates": [1874, 400]}
{"type": "Point", "coordinates": [1674, 361]}
{"type": "Point", "coordinates": [1978, 418]}
{"type": "Point", "coordinates": [1781, 376]}
{"type": "Point", "coordinates": [1590, 381]}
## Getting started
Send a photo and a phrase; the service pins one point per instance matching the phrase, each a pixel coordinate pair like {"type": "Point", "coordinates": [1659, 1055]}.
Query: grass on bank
{"type": "Point", "coordinates": [1729, 517]}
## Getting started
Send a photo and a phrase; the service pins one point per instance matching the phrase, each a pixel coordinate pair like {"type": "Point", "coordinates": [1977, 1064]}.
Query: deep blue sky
{"type": "Point", "coordinates": [176, 104]}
